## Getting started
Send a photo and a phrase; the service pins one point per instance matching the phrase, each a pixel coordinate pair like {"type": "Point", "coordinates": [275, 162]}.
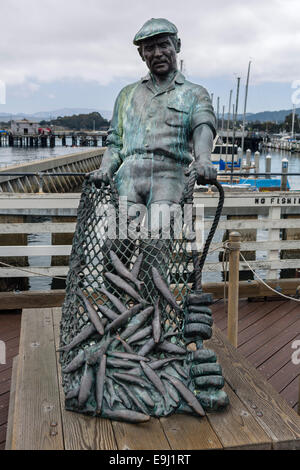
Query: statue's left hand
{"type": "Point", "coordinates": [205, 171]}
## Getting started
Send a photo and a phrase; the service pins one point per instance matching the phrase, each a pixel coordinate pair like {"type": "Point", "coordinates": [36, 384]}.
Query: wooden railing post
{"type": "Point", "coordinates": [299, 398]}
{"type": "Point", "coordinates": [233, 287]}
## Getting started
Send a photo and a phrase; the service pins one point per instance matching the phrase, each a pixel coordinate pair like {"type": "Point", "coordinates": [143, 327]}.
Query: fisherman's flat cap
{"type": "Point", "coordinates": [154, 27]}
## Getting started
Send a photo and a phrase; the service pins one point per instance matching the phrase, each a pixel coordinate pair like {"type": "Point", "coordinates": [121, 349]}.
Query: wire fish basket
{"type": "Point", "coordinates": [122, 348]}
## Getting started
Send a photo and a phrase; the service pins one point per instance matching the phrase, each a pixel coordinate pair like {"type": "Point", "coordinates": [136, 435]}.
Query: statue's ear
{"type": "Point", "coordinates": [140, 49]}
{"type": "Point", "coordinates": [178, 46]}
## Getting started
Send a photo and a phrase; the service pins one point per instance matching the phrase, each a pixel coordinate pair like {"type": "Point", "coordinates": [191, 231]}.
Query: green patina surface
{"type": "Point", "coordinates": [148, 120]}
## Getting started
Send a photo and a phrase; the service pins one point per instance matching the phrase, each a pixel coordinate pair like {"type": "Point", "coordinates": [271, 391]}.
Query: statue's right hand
{"type": "Point", "coordinates": [99, 178]}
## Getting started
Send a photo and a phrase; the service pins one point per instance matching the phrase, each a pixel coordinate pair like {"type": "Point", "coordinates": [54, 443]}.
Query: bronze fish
{"type": "Point", "coordinates": [127, 356]}
{"type": "Point", "coordinates": [164, 290]}
{"type": "Point", "coordinates": [188, 396]}
{"type": "Point", "coordinates": [114, 300]}
{"type": "Point", "coordinates": [156, 323]}
{"type": "Point", "coordinates": [84, 334]}
{"type": "Point", "coordinates": [131, 379]}
{"type": "Point", "coordinates": [154, 378]}
{"type": "Point", "coordinates": [85, 386]}
{"type": "Point", "coordinates": [136, 322]}
{"type": "Point", "coordinates": [92, 314]}
{"type": "Point", "coordinates": [127, 415]}
{"type": "Point", "coordinates": [100, 379]}
{"type": "Point", "coordinates": [123, 318]}
{"type": "Point", "coordinates": [166, 346]}
{"type": "Point", "coordinates": [108, 312]}
{"type": "Point", "coordinates": [137, 266]}
{"type": "Point", "coordinates": [119, 282]}
{"type": "Point", "coordinates": [140, 335]}
{"type": "Point", "coordinates": [75, 363]}
{"type": "Point", "coordinates": [123, 271]}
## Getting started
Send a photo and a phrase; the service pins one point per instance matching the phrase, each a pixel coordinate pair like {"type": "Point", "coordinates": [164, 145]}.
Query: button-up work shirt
{"type": "Point", "coordinates": [160, 122]}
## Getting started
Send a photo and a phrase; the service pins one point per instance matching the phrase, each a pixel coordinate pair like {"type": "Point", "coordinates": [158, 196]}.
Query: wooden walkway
{"type": "Point", "coordinates": [266, 333]}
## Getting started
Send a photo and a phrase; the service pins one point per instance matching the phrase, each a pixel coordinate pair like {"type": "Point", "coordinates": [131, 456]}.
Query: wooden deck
{"type": "Point", "coordinates": [266, 333]}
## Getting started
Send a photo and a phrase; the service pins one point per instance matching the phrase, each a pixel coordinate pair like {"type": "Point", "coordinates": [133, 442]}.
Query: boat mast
{"type": "Point", "coordinates": [228, 121]}
{"type": "Point", "coordinates": [234, 124]}
{"type": "Point", "coordinates": [245, 107]}
{"type": "Point", "coordinates": [293, 120]}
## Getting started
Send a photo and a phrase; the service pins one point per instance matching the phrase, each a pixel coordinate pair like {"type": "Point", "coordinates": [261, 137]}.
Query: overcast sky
{"type": "Point", "coordinates": [79, 53]}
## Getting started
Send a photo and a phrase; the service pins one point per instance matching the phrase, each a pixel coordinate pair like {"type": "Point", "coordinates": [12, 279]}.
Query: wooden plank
{"type": "Point", "coordinates": [274, 236]}
{"type": "Point", "coordinates": [274, 353]}
{"type": "Point", "coordinates": [11, 409]}
{"type": "Point", "coordinates": [35, 250]}
{"type": "Point", "coordinates": [145, 436]}
{"type": "Point", "coordinates": [250, 314]}
{"type": "Point", "coordinates": [261, 224]}
{"type": "Point", "coordinates": [45, 227]}
{"type": "Point", "coordinates": [285, 377]}
{"type": "Point", "coordinates": [31, 299]}
{"type": "Point", "coordinates": [37, 419]}
{"type": "Point", "coordinates": [236, 427]}
{"type": "Point", "coordinates": [80, 431]}
{"type": "Point", "coordinates": [65, 250]}
{"type": "Point", "coordinates": [272, 413]}
{"type": "Point", "coordinates": [290, 392]}
{"type": "Point", "coordinates": [267, 328]}
{"type": "Point", "coordinates": [34, 271]}
{"type": "Point", "coordinates": [55, 298]}
{"type": "Point", "coordinates": [190, 433]}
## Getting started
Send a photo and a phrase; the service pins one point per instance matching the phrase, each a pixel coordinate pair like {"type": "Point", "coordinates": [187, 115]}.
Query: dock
{"type": "Point", "coordinates": [261, 386]}
{"type": "Point", "coordinates": [44, 140]}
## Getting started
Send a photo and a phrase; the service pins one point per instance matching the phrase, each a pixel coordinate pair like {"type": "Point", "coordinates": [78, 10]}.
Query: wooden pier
{"type": "Point", "coordinates": [263, 385]}
{"type": "Point", "coordinates": [44, 140]}
{"type": "Point", "coordinates": [258, 417]}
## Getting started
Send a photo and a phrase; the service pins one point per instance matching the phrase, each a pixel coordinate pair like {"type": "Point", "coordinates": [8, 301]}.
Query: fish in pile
{"type": "Point", "coordinates": [130, 357]}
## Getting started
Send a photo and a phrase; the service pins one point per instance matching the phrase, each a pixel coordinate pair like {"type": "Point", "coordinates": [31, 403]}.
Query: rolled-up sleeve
{"type": "Point", "coordinates": [114, 139]}
{"type": "Point", "coordinates": [203, 111]}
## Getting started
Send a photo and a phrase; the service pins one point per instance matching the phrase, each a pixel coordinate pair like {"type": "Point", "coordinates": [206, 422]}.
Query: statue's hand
{"type": "Point", "coordinates": [207, 380]}
{"type": "Point", "coordinates": [205, 171]}
{"type": "Point", "coordinates": [99, 177]}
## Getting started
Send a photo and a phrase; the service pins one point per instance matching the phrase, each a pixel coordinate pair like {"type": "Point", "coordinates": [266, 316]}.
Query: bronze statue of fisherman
{"type": "Point", "coordinates": [161, 131]}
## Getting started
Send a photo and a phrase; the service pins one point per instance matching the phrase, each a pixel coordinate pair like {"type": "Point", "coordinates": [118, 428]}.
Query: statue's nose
{"type": "Point", "coordinates": [157, 51]}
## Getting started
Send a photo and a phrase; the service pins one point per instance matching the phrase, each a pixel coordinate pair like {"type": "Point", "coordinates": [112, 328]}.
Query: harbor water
{"type": "Point", "coordinates": [14, 156]}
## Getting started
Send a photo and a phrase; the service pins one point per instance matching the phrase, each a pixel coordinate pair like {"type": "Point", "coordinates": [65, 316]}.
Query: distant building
{"type": "Point", "coordinates": [24, 127]}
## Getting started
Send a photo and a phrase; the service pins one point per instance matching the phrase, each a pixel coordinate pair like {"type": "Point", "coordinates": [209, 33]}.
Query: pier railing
{"type": "Point", "coordinates": [269, 224]}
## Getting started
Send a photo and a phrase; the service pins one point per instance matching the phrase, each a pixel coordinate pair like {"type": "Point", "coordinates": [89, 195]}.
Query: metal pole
{"type": "Point", "coordinates": [284, 169]}
{"type": "Point", "coordinates": [268, 165]}
{"type": "Point", "coordinates": [233, 125]}
{"type": "Point", "coordinates": [293, 121]}
{"type": "Point", "coordinates": [245, 106]}
{"type": "Point", "coordinates": [256, 160]}
{"type": "Point", "coordinates": [248, 158]}
{"type": "Point", "coordinates": [228, 123]}
{"type": "Point", "coordinates": [233, 287]}
{"type": "Point", "coordinates": [218, 109]}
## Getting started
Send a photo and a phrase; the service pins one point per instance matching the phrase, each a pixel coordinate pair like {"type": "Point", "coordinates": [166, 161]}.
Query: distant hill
{"type": "Point", "coordinates": [88, 121]}
{"type": "Point", "coordinates": [274, 116]}
{"type": "Point", "coordinates": [47, 115]}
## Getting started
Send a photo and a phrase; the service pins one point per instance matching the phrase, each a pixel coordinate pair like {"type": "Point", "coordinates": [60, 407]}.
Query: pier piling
{"type": "Point", "coordinates": [268, 165]}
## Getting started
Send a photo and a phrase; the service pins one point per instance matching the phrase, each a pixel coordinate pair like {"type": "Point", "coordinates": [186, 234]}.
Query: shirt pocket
{"type": "Point", "coordinates": [177, 115]}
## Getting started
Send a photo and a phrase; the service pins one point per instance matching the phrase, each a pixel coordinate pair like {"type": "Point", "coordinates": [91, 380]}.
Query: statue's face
{"type": "Point", "coordinates": [159, 53]}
